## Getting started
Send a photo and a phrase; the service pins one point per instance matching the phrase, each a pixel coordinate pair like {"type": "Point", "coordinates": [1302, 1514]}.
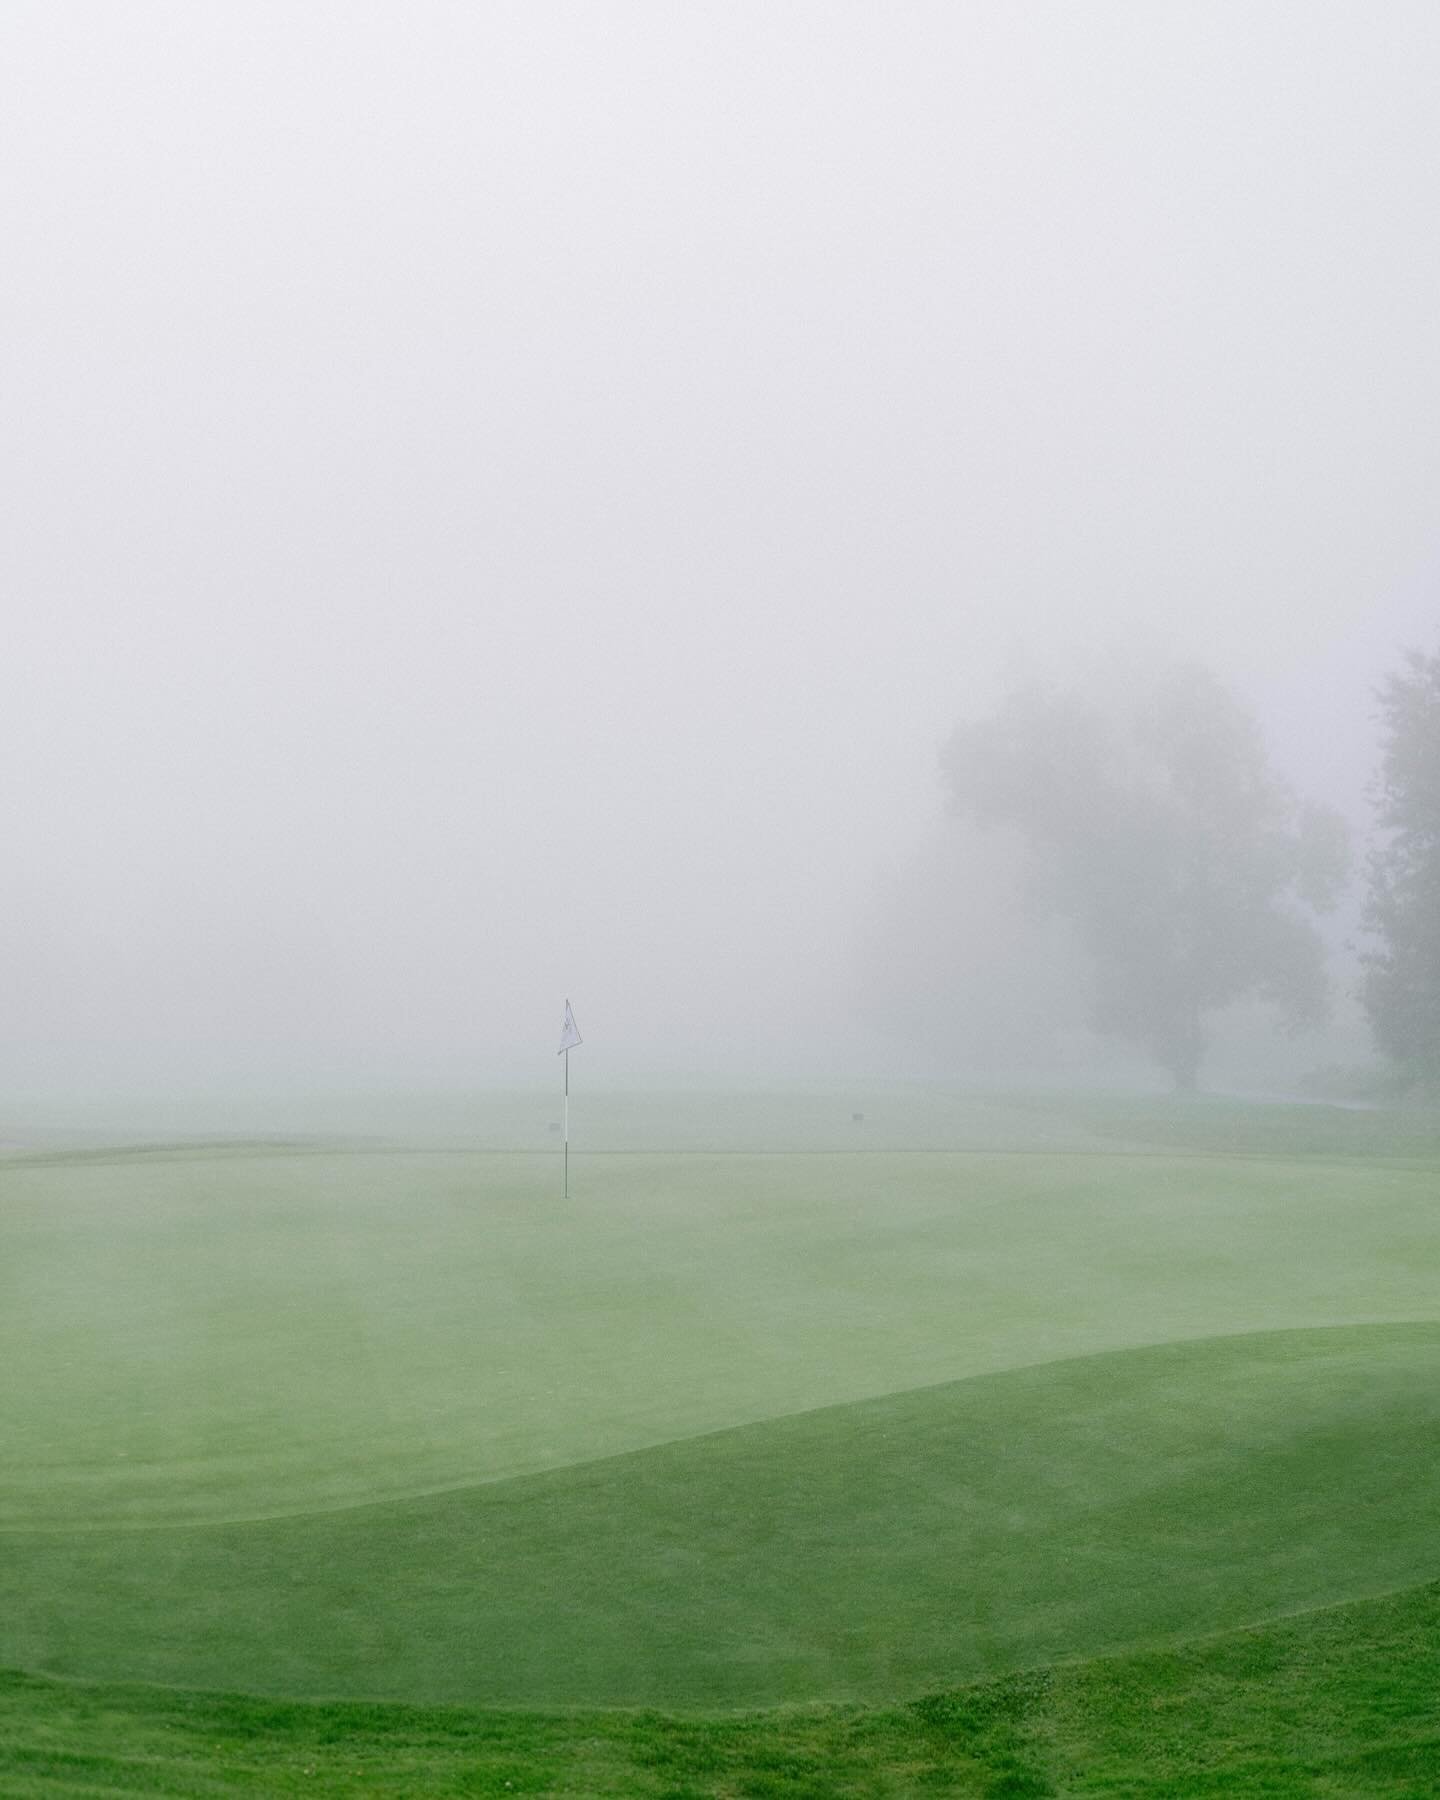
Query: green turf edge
{"type": "Point", "coordinates": [1340, 1702]}
{"type": "Point", "coordinates": [453, 1490]}
{"type": "Point", "coordinates": [821, 1565]}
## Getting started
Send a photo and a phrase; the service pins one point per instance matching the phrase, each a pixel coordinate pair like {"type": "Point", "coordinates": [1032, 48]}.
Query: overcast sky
{"type": "Point", "coordinates": [506, 500]}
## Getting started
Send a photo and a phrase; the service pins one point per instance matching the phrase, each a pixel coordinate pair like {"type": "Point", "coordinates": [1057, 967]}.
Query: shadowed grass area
{"type": "Point", "coordinates": [866, 1551]}
{"type": "Point", "coordinates": [1333, 1704]}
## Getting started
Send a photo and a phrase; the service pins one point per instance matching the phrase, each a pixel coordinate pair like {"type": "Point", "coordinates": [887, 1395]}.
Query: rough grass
{"type": "Point", "coordinates": [1339, 1703]}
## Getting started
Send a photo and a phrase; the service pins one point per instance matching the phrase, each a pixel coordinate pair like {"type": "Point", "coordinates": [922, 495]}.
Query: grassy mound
{"type": "Point", "coordinates": [210, 1336]}
{"type": "Point", "coordinates": [1341, 1702]}
{"type": "Point", "coordinates": [866, 1551]}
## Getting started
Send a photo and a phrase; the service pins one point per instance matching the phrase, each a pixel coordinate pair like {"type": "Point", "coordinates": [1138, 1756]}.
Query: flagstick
{"type": "Point", "coordinates": [567, 1124]}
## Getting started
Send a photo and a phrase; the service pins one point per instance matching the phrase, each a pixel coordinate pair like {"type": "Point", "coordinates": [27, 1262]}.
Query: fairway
{"type": "Point", "coordinates": [727, 1428]}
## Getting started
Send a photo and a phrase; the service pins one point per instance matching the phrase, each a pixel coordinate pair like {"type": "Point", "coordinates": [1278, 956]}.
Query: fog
{"type": "Point", "coordinates": [508, 501]}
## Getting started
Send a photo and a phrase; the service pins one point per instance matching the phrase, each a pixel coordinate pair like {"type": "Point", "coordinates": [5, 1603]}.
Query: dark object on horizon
{"type": "Point", "coordinates": [859, 1118]}
{"type": "Point", "coordinates": [1401, 990]}
{"type": "Point", "coordinates": [1155, 828]}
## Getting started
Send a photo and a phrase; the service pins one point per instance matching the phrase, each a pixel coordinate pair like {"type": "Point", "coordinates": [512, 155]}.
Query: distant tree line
{"type": "Point", "coordinates": [1191, 876]}
{"type": "Point", "coordinates": [1401, 988]}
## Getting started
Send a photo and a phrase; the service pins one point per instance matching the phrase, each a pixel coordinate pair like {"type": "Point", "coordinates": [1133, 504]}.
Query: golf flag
{"type": "Point", "coordinates": [569, 1032]}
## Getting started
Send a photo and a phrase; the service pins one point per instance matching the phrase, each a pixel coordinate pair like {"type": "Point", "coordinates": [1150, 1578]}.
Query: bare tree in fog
{"type": "Point", "coordinates": [1402, 971]}
{"type": "Point", "coordinates": [1187, 869]}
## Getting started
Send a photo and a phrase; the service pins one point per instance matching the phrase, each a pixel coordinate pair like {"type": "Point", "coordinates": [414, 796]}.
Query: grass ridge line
{"type": "Point", "coordinates": [51, 1533]}
{"type": "Point", "coordinates": [247, 1149]}
{"type": "Point", "coordinates": [787, 1709]}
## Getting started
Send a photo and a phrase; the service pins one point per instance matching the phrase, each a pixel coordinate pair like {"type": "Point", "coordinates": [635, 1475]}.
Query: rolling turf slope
{"type": "Point", "coordinates": [726, 1429]}
{"type": "Point", "coordinates": [1323, 1706]}
{"type": "Point", "coordinates": [866, 1551]}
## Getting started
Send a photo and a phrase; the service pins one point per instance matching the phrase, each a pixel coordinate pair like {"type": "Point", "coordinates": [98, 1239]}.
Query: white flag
{"type": "Point", "coordinates": [569, 1032]}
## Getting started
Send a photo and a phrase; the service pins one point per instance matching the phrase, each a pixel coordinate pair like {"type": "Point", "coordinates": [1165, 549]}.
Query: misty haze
{"type": "Point", "coordinates": [870, 576]}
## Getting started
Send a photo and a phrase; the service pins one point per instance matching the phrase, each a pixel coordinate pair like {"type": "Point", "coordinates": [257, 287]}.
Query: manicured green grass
{"type": "Point", "coordinates": [210, 1335]}
{"type": "Point", "coordinates": [704, 1117]}
{"type": "Point", "coordinates": [730, 1428]}
{"type": "Point", "coordinates": [861, 1552]}
{"type": "Point", "coordinates": [1328, 1705]}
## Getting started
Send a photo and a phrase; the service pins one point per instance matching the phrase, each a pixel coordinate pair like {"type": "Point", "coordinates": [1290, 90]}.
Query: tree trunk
{"type": "Point", "coordinates": [1184, 1053]}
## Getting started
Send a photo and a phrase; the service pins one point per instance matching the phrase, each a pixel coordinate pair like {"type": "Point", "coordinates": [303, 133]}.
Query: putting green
{"type": "Point", "coordinates": [232, 1336]}
{"type": "Point", "coordinates": [723, 1429]}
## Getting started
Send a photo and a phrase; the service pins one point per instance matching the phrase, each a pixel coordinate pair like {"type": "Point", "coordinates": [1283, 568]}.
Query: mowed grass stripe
{"type": "Point", "coordinates": [868, 1551]}
{"type": "Point", "coordinates": [708, 1117]}
{"type": "Point", "coordinates": [1340, 1701]}
{"type": "Point", "coordinates": [245, 1336]}
{"type": "Point", "coordinates": [30, 1532]}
